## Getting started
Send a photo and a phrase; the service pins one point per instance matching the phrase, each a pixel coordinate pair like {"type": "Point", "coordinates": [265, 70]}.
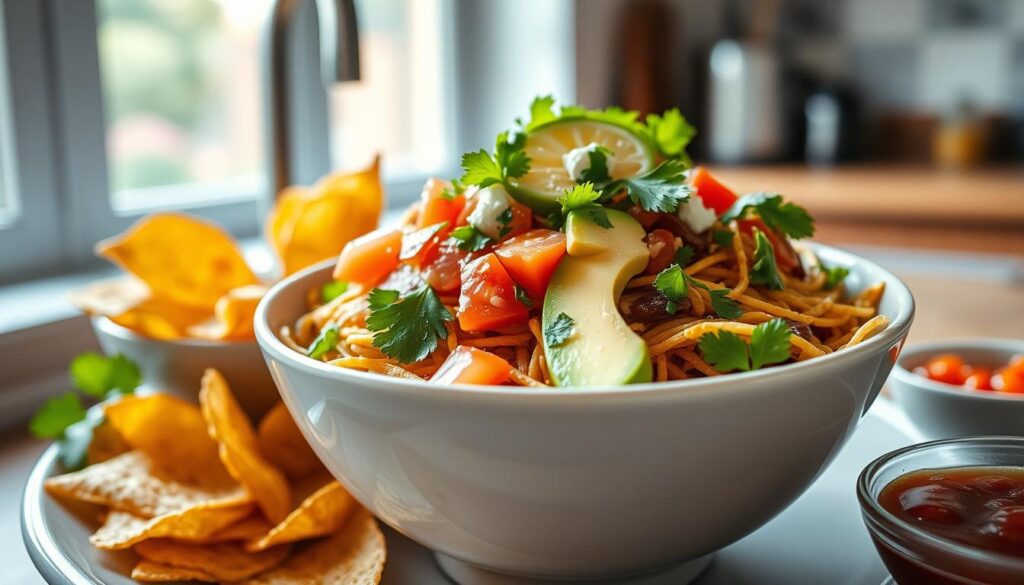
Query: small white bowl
{"type": "Point", "coordinates": [576, 483]}
{"type": "Point", "coordinates": [943, 411]}
{"type": "Point", "coordinates": [176, 366]}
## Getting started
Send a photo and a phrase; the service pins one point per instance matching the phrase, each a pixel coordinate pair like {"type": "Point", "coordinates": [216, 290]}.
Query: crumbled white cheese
{"type": "Point", "coordinates": [491, 202]}
{"type": "Point", "coordinates": [693, 213]}
{"type": "Point", "coordinates": [577, 160]}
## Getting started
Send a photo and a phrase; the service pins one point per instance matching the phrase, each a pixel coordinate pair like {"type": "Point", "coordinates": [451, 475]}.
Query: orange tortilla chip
{"type": "Point", "coordinates": [225, 562]}
{"type": "Point", "coordinates": [181, 258]}
{"type": "Point", "coordinates": [251, 527]}
{"type": "Point", "coordinates": [157, 573]}
{"type": "Point", "coordinates": [228, 425]}
{"type": "Point", "coordinates": [106, 443]}
{"type": "Point", "coordinates": [310, 226]}
{"type": "Point", "coordinates": [172, 432]}
{"type": "Point", "coordinates": [282, 444]}
{"type": "Point", "coordinates": [111, 296]}
{"type": "Point", "coordinates": [354, 555]}
{"type": "Point", "coordinates": [322, 513]}
{"type": "Point", "coordinates": [127, 301]}
{"type": "Point", "coordinates": [132, 482]}
{"type": "Point", "coordinates": [121, 530]}
{"type": "Point", "coordinates": [233, 315]}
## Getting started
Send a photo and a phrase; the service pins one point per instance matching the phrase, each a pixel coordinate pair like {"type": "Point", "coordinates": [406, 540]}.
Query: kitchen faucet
{"type": "Point", "coordinates": [339, 61]}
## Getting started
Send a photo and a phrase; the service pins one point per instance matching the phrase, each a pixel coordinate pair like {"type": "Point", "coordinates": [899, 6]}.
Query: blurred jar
{"type": "Point", "coordinates": [961, 140]}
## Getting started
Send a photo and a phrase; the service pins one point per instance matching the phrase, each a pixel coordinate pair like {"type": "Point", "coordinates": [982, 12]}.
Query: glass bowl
{"type": "Point", "coordinates": [915, 556]}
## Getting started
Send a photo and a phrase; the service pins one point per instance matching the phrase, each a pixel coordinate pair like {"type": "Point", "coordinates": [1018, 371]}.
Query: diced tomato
{"type": "Point", "coordinates": [469, 365]}
{"type": "Point", "coordinates": [645, 218]}
{"type": "Point", "coordinates": [712, 193]}
{"type": "Point", "coordinates": [662, 247]}
{"type": "Point", "coordinates": [785, 256]}
{"type": "Point", "coordinates": [444, 272]}
{"type": "Point", "coordinates": [488, 297]}
{"type": "Point", "coordinates": [420, 247]}
{"type": "Point", "coordinates": [947, 368]}
{"type": "Point", "coordinates": [979, 379]}
{"type": "Point", "coordinates": [369, 258]}
{"type": "Point", "coordinates": [1009, 379]}
{"type": "Point", "coordinates": [435, 207]}
{"type": "Point", "coordinates": [531, 258]}
{"type": "Point", "coordinates": [522, 217]}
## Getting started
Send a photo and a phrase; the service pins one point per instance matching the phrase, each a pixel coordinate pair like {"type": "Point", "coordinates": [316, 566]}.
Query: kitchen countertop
{"type": "Point", "coordinates": [947, 307]}
{"type": "Point", "coordinates": [979, 210]}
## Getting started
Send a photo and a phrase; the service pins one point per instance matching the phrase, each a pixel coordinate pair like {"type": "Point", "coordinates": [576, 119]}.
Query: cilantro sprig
{"type": "Point", "coordinates": [584, 197]}
{"type": "Point", "coordinates": [834, 276]}
{"type": "Point", "coordinates": [662, 189]}
{"type": "Point", "coordinates": [325, 341]}
{"type": "Point", "coordinates": [765, 270]}
{"type": "Point", "coordinates": [470, 239]}
{"type": "Point", "coordinates": [407, 328]}
{"type": "Point", "coordinates": [674, 284]}
{"type": "Point", "coordinates": [65, 417]}
{"type": "Point", "coordinates": [332, 290]}
{"type": "Point", "coordinates": [507, 162]}
{"type": "Point", "coordinates": [559, 330]}
{"type": "Point", "coordinates": [728, 352]}
{"type": "Point", "coordinates": [786, 218]}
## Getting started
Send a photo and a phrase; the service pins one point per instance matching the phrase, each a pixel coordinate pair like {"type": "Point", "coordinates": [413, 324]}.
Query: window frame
{"type": "Point", "coordinates": [30, 241]}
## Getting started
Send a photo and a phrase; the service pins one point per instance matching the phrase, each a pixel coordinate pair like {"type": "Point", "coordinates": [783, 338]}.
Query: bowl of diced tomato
{"type": "Point", "coordinates": [957, 388]}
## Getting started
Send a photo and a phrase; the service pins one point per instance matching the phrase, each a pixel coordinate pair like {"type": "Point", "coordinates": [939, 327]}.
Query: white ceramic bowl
{"type": "Point", "coordinates": [176, 366]}
{"type": "Point", "coordinates": [573, 482]}
{"type": "Point", "coordinates": [941, 411]}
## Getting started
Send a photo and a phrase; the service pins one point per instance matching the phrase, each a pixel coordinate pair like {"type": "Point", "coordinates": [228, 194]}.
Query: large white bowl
{"type": "Point", "coordinates": [581, 483]}
{"type": "Point", "coordinates": [176, 366]}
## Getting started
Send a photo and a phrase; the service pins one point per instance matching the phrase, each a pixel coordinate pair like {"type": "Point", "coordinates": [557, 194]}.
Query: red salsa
{"type": "Point", "coordinates": [982, 507]}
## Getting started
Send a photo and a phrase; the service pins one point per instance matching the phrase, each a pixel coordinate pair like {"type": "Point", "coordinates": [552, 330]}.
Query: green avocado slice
{"type": "Point", "coordinates": [601, 350]}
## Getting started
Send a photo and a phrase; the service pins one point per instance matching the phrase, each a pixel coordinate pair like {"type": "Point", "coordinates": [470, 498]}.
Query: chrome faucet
{"type": "Point", "coordinates": [339, 61]}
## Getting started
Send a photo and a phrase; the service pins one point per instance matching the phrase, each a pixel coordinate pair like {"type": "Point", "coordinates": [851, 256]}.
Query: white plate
{"type": "Point", "coordinates": [819, 539]}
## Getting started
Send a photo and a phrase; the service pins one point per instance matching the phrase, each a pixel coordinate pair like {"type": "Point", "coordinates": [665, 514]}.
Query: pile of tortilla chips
{"type": "Point", "coordinates": [199, 494]}
{"type": "Point", "coordinates": [190, 279]}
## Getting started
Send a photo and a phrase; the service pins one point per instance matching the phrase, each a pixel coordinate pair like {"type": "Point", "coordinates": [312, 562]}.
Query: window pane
{"type": "Point", "coordinates": [398, 107]}
{"type": "Point", "coordinates": [181, 90]}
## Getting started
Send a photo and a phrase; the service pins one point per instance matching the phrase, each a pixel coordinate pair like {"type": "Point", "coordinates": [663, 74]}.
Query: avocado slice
{"type": "Point", "coordinates": [601, 350]}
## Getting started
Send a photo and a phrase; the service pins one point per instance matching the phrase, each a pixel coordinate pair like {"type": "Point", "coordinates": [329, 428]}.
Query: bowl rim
{"type": "Point", "coordinates": [908, 377]}
{"type": "Point", "coordinates": [900, 322]}
{"type": "Point", "coordinates": [105, 325]}
{"type": "Point", "coordinates": [871, 508]}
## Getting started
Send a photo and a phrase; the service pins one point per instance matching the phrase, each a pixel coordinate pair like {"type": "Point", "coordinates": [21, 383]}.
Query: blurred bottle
{"type": "Point", "coordinates": [961, 140]}
{"type": "Point", "coordinates": [832, 128]}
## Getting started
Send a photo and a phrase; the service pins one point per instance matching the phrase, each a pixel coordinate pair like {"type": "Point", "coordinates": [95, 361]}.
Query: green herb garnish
{"type": "Point", "coordinates": [765, 271]}
{"type": "Point", "coordinates": [332, 290]}
{"type": "Point", "coordinates": [728, 352]}
{"type": "Point", "coordinates": [834, 276]}
{"type": "Point", "coordinates": [408, 328]}
{"type": "Point", "coordinates": [785, 218]}
{"type": "Point", "coordinates": [584, 197]}
{"type": "Point", "coordinates": [559, 331]}
{"type": "Point", "coordinates": [326, 341]}
{"type": "Point", "coordinates": [470, 239]}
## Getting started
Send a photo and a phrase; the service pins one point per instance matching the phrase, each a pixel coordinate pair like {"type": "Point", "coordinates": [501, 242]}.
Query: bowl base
{"type": "Point", "coordinates": [466, 574]}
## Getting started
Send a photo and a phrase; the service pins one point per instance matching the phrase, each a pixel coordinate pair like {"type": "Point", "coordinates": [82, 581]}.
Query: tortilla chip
{"type": "Point", "coordinates": [225, 562]}
{"type": "Point", "coordinates": [253, 526]}
{"type": "Point", "coordinates": [315, 225]}
{"type": "Point", "coordinates": [106, 443]}
{"type": "Point", "coordinates": [228, 425]}
{"type": "Point", "coordinates": [111, 296]}
{"type": "Point", "coordinates": [233, 315]}
{"type": "Point", "coordinates": [282, 444]}
{"type": "Point", "coordinates": [121, 530]}
{"type": "Point", "coordinates": [158, 573]}
{"type": "Point", "coordinates": [354, 555]}
{"type": "Point", "coordinates": [127, 301]}
{"type": "Point", "coordinates": [172, 432]}
{"type": "Point", "coordinates": [180, 258]}
{"type": "Point", "coordinates": [132, 482]}
{"type": "Point", "coordinates": [320, 514]}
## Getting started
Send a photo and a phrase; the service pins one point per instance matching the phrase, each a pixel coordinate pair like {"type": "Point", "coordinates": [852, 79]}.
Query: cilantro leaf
{"type": "Point", "coordinates": [523, 297]}
{"type": "Point", "coordinates": [584, 197]}
{"type": "Point", "coordinates": [769, 343]}
{"type": "Point", "coordinates": [723, 306]}
{"type": "Point", "coordinates": [480, 168]}
{"type": "Point", "coordinates": [672, 284]}
{"type": "Point", "coordinates": [96, 375]}
{"type": "Point", "coordinates": [834, 276]}
{"type": "Point", "coordinates": [381, 297]}
{"type": "Point", "coordinates": [786, 218]}
{"type": "Point", "coordinates": [662, 189]}
{"type": "Point", "coordinates": [670, 132]}
{"type": "Point", "coordinates": [597, 172]}
{"type": "Point", "coordinates": [56, 415]}
{"type": "Point", "coordinates": [541, 112]}
{"type": "Point", "coordinates": [325, 342]}
{"type": "Point", "coordinates": [725, 351]}
{"type": "Point", "coordinates": [409, 328]}
{"type": "Point", "coordinates": [509, 154]}
{"type": "Point", "coordinates": [454, 191]}
{"type": "Point", "coordinates": [470, 239]}
{"type": "Point", "coordinates": [765, 271]}
{"type": "Point", "coordinates": [723, 238]}
{"type": "Point", "coordinates": [684, 255]}
{"type": "Point", "coordinates": [332, 290]}
{"type": "Point", "coordinates": [559, 331]}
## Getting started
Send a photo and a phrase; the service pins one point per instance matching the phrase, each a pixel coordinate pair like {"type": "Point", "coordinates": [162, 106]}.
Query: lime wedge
{"type": "Point", "coordinates": [548, 178]}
